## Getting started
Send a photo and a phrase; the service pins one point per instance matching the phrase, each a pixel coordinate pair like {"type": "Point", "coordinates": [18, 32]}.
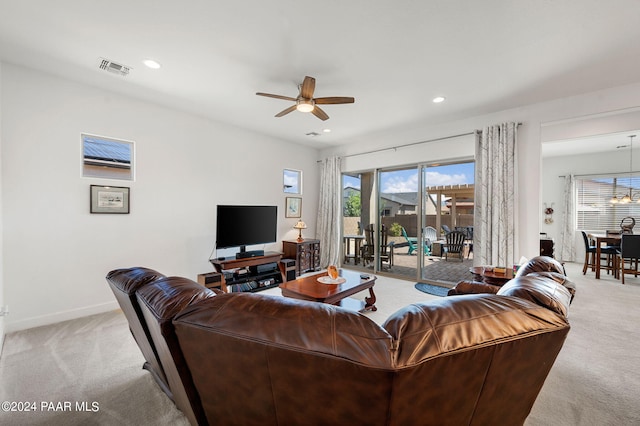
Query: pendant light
{"type": "Point", "coordinates": [627, 198]}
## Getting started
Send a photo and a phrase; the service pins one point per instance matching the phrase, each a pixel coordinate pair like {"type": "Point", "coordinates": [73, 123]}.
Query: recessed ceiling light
{"type": "Point", "coordinates": [438, 99]}
{"type": "Point", "coordinates": [151, 64]}
{"type": "Point", "coordinates": [327, 130]}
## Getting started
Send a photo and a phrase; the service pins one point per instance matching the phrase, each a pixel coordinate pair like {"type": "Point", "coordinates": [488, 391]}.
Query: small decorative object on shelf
{"type": "Point", "coordinates": [500, 270]}
{"type": "Point", "coordinates": [548, 214]}
{"type": "Point", "coordinates": [627, 224]}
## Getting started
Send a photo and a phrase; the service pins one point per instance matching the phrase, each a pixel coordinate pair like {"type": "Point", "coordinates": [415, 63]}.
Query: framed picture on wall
{"type": "Point", "coordinates": [292, 181]}
{"type": "Point", "coordinates": [109, 199]}
{"type": "Point", "coordinates": [293, 207]}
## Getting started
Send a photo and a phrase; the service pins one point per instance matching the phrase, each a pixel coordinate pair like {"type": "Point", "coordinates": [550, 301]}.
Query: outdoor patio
{"type": "Point", "coordinates": [437, 270]}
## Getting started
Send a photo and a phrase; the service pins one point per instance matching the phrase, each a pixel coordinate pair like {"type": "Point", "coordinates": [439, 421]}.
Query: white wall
{"type": "Point", "coordinates": [529, 212]}
{"type": "Point", "coordinates": [56, 254]}
{"type": "Point", "coordinates": [1, 227]}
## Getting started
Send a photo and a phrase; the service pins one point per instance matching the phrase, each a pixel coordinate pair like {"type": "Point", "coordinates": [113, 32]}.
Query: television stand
{"type": "Point", "coordinates": [258, 276]}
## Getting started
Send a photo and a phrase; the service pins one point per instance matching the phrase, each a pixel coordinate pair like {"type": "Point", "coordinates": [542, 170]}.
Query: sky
{"type": "Point", "coordinates": [407, 180]}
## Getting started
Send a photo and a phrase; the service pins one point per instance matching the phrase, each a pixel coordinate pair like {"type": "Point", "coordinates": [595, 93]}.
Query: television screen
{"type": "Point", "coordinates": [240, 226]}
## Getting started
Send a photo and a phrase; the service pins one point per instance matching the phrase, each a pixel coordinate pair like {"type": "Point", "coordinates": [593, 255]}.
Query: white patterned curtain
{"type": "Point", "coordinates": [495, 194]}
{"type": "Point", "coordinates": [329, 212]}
{"type": "Point", "coordinates": [567, 233]}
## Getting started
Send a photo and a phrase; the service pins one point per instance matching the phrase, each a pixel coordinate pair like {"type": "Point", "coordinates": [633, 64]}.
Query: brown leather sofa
{"type": "Point", "coordinates": [160, 301]}
{"type": "Point", "coordinates": [124, 283]}
{"type": "Point", "coordinates": [258, 359]}
{"type": "Point", "coordinates": [541, 266]}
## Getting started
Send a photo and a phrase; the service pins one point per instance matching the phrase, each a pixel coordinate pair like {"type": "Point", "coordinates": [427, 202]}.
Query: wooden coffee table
{"type": "Point", "coordinates": [309, 288]}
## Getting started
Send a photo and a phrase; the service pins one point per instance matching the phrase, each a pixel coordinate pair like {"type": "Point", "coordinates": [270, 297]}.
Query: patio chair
{"type": "Point", "coordinates": [430, 235]}
{"type": "Point", "coordinates": [386, 249]}
{"type": "Point", "coordinates": [413, 243]}
{"type": "Point", "coordinates": [454, 245]}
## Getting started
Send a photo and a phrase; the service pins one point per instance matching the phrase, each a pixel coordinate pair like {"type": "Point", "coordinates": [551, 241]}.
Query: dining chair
{"type": "Point", "coordinates": [607, 254]}
{"type": "Point", "coordinates": [589, 254]}
{"type": "Point", "coordinates": [629, 251]}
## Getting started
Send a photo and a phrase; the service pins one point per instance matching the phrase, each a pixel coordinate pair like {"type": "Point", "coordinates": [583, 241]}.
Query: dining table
{"type": "Point", "coordinates": [604, 239]}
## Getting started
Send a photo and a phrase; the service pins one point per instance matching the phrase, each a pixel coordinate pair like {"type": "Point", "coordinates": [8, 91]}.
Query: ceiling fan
{"type": "Point", "coordinates": [305, 102]}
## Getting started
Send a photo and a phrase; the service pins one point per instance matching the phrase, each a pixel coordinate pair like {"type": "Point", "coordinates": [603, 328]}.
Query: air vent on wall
{"type": "Point", "coordinates": [114, 67]}
{"type": "Point", "coordinates": [312, 134]}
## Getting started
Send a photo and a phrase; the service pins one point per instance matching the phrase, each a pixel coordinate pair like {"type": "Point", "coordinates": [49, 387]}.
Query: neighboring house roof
{"type": "Point", "coordinates": [100, 149]}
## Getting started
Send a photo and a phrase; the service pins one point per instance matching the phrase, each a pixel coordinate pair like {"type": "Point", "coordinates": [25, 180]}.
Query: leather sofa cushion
{"type": "Point", "coordinates": [168, 296]}
{"type": "Point", "coordinates": [128, 280]}
{"type": "Point", "coordinates": [452, 324]}
{"type": "Point", "coordinates": [541, 264]}
{"type": "Point", "coordinates": [540, 290]}
{"type": "Point", "coordinates": [295, 324]}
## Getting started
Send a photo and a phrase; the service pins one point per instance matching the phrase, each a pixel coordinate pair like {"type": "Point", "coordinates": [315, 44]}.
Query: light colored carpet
{"type": "Point", "coordinates": [595, 380]}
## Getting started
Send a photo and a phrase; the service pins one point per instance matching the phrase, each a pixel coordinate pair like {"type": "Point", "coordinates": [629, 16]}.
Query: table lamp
{"type": "Point", "coordinates": [300, 226]}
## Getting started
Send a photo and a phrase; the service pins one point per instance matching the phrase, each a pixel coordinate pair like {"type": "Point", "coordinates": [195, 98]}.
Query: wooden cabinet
{"type": "Point", "coordinates": [546, 247]}
{"type": "Point", "coordinates": [306, 254]}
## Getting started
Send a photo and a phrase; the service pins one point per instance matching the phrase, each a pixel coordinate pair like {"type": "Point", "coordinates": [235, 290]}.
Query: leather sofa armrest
{"type": "Point", "coordinates": [472, 287]}
{"type": "Point", "coordinates": [560, 279]}
{"type": "Point", "coordinates": [540, 290]}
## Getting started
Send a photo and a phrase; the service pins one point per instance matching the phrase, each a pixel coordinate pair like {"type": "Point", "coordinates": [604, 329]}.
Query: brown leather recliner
{"type": "Point", "coordinates": [160, 301]}
{"type": "Point", "coordinates": [259, 359]}
{"type": "Point", "coordinates": [124, 283]}
{"type": "Point", "coordinates": [538, 266]}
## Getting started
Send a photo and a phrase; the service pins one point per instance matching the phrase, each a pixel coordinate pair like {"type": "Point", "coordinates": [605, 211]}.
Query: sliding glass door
{"type": "Point", "coordinates": [398, 208]}
{"type": "Point", "coordinates": [447, 205]}
{"type": "Point", "coordinates": [395, 221]}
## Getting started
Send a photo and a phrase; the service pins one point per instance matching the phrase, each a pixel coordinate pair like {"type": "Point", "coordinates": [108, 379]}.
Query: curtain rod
{"type": "Point", "coordinates": [619, 175]}
{"type": "Point", "coordinates": [416, 143]}
{"type": "Point", "coordinates": [411, 144]}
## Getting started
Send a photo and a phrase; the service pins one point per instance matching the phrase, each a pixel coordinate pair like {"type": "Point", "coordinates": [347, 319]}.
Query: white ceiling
{"type": "Point", "coordinates": [592, 144]}
{"type": "Point", "coordinates": [392, 56]}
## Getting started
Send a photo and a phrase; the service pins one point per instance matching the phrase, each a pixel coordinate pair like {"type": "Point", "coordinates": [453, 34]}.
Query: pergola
{"type": "Point", "coordinates": [455, 192]}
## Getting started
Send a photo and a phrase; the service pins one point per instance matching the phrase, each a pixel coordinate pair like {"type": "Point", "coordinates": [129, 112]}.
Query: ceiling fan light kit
{"type": "Point", "coordinates": [304, 105]}
{"type": "Point", "coordinates": [305, 102]}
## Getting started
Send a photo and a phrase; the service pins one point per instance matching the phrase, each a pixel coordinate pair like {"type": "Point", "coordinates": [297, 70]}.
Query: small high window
{"type": "Point", "coordinates": [108, 158]}
{"type": "Point", "coordinates": [292, 180]}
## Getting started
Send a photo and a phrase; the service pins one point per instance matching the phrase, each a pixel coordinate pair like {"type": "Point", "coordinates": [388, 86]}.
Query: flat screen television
{"type": "Point", "coordinates": [242, 226]}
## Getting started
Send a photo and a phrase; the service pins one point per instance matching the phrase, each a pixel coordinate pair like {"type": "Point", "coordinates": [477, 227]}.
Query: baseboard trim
{"type": "Point", "coordinates": [11, 326]}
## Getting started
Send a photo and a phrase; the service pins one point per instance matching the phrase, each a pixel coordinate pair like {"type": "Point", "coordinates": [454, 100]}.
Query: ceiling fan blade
{"type": "Point", "coordinates": [269, 95]}
{"type": "Point", "coordinates": [334, 100]}
{"type": "Point", "coordinates": [286, 111]}
{"type": "Point", "coordinates": [308, 86]}
{"type": "Point", "coordinates": [320, 113]}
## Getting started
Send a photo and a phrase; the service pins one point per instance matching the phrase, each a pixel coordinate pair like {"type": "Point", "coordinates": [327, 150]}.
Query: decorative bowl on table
{"type": "Point", "coordinates": [329, 280]}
